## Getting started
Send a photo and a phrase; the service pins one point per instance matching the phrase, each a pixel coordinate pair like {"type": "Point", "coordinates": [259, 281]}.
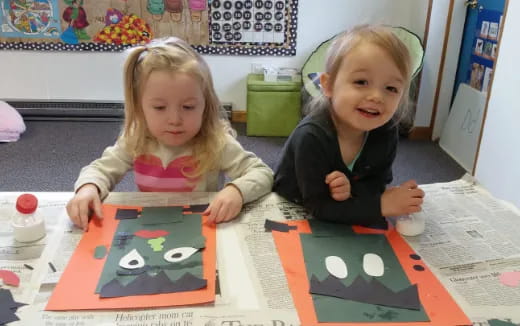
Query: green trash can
{"type": "Point", "coordinates": [273, 108]}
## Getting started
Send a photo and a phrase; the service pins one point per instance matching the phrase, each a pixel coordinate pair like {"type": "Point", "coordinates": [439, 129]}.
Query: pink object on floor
{"type": "Point", "coordinates": [197, 4]}
{"type": "Point", "coordinates": [11, 123]}
{"type": "Point", "coordinates": [511, 279]}
{"type": "Point", "coordinates": [9, 277]}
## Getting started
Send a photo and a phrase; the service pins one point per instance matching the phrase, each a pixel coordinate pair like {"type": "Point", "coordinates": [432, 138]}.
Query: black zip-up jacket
{"type": "Point", "coordinates": [312, 151]}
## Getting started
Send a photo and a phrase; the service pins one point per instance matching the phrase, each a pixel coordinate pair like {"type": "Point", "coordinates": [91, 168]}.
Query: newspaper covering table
{"type": "Point", "coordinates": [470, 239]}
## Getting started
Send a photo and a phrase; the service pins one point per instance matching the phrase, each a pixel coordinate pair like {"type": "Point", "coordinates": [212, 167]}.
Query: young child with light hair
{"type": "Point", "coordinates": [173, 138]}
{"type": "Point", "coordinates": [338, 160]}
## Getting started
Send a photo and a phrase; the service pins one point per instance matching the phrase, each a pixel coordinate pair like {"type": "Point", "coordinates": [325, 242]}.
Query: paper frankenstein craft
{"type": "Point", "coordinates": [157, 256]}
{"type": "Point", "coordinates": [341, 277]}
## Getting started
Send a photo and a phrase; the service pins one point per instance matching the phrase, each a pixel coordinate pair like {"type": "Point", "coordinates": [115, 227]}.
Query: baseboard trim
{"type": "Point", "coordinates": [239, 116]}
{"type": "Point", "coordinates": [420, 133]}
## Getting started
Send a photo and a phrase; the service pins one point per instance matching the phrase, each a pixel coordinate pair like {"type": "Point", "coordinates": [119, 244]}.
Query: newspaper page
{"type": "Point", "coordinates": [260, 254]}
{"type": "Point", "coordinates": [196, 316]}
{"type": "Point", "coordinates": [470, 239]}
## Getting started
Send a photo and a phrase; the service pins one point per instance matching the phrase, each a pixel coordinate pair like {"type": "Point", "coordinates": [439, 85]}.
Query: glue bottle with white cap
{"type": "Point", "coordinates": [28, 226]}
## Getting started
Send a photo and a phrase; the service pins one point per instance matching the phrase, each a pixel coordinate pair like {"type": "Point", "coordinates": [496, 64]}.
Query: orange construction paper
{"type": "Point", "coordinates": [437, 302]}
{"type": "Point", "coordinates": [77, 285]}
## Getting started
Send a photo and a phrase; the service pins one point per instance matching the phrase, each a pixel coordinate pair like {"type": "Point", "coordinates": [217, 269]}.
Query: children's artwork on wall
{"type": "Point", "coordinates": [485, 48]}
{"type": "Point", "coordinates": [378, 279]}
{"type": "Point", "coordinates": [163, 257]}
{"type": "Point", "coordinates": [238, 27]}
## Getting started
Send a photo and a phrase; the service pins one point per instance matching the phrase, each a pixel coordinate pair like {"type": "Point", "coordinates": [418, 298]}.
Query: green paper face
{"type": "Point", "coordinates": [331, 240]}
{"type": "Point", "coordinates": [185, 231]}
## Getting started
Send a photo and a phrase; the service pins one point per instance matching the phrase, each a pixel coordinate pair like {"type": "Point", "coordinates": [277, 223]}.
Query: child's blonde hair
{"type": "Point", "coordinates": [378, 35]}
{"type": "Point", "coordinates": [175, 56]}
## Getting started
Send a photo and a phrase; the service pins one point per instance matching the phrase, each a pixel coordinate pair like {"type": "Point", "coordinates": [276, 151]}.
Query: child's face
{"type": "Point", "coordinates": [173, 106]}
{"type": "Point", "coordinates": [367, 89]}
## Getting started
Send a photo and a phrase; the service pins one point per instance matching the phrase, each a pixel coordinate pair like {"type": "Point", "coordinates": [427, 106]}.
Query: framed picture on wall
{"type": "Point", "coordinates": [479, 46]}
{"type": "Point", "coordinates": [494, 51]}
{"type": "Point", "coordinates": [484, 29]}
{"type": "Point", "coordinates": [493, 31]}
{"type": "Point", "coordinates": [488, 49]}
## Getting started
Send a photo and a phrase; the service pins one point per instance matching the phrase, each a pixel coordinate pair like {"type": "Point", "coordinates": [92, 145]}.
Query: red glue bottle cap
{"type": "Point", "coordinates": [26, 203]}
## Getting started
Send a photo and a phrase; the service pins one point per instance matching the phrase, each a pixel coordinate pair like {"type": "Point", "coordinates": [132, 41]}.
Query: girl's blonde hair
{"type": "Point", "coordinates": [378, 35]}
{"type": "Point", "coordinates": [175, 56]}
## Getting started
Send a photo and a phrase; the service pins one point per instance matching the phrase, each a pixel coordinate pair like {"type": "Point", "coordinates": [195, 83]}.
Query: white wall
{"type": "Point", "coordinates": [97, 76]}
{"type": "Point", "coordinates": [498, 163]}
{"type": "Point", "coordinates": [432, 60]}
{"type": "Point", "coordinates": [450, 67]}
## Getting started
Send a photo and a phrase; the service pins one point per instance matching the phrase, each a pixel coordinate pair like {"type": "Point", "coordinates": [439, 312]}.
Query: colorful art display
{"type": "Point", "coordinates": [157, 257]}
{"type": "Point", "coordinates": [241, 27]}
{"type": "Point", "coordinates": [484, 49]}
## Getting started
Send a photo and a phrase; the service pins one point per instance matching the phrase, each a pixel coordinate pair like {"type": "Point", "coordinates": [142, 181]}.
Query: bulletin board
{"type": "Point", "coordinates": [484, 51]}
{"type": "Point", "coordinates": [236, 27]}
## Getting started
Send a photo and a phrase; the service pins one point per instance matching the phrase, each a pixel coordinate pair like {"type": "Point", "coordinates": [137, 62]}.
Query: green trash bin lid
{"type": "Point", "coordinates": [255, 82]}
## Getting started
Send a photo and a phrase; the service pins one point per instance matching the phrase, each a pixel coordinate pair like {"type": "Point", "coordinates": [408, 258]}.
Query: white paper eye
{"type": "Point", "coordinates": [179, 254]}
{"type": "Point", "coordinates": [132, 260]}
{"type": "Point", "coordinates": [373, 265]}
{"type": "Point", "coordinates": [336, 266]}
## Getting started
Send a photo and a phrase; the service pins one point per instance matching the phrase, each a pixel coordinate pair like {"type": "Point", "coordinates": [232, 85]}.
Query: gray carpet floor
{"type": "Point", "coordinates": [50, 154]}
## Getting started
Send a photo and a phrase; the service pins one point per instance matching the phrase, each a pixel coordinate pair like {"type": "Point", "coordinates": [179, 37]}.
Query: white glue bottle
{"type": "Point", "coordinates": [27, 225]}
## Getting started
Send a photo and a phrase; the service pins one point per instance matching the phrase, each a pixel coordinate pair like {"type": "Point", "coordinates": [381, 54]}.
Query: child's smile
{"type": "Point", "coordinates": [366, 91]}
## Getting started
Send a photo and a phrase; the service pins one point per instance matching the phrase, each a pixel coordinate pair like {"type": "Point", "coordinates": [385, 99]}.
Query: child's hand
{"type": "Point", "coordinates": [402, 200]}
{"type": "Point", "coordinates": [339, 185]}
{"type": "Point", "coordinates": [86, 198]}
{"type": "Point", "coordinates": [225, 206]}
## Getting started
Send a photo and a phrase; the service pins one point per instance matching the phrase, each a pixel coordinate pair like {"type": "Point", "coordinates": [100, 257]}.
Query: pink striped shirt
{"type": "Point", "coordinates": [151, 176]}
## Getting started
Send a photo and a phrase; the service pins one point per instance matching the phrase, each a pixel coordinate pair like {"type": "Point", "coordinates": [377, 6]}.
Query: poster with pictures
{"type": "Point", "coordinates": [236, 27]}
{"type": "Point", "coordinates": [484, 49]}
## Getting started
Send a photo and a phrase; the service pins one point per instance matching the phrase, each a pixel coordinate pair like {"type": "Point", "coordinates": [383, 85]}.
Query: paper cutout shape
{"type": "Point", "coordinates": [336, 266]}
{"type": "Point", "coordinates": [498, 322]}
{"type": "Point", "coordinates": [132, 260]}
{"type": "Point", "coordinates": [9, 278]}
{"type": "Point", "coordinates": [150, 234]}
{"type": "Point", "coordinates": [437, 303]}
{"type": "Point", "coordinates": [156, 243]}
{"type": "Point", "coordinates": [123, 214]}
{"type": "Point", "coordinates": [415, 257]}
{"type": "Point", "coordinates": [77, 286]}
{"type": "Point", "coordinates": [418, 268]}
{"type": "Point", "coordinates": [277, 226]}
{"type": "Point", "coordinates": [373, 292]}
{"type": "Point", "coordinates": [8, 307]}
{"type": "Point", "coordinates": [177, 255]}
{"type": "Point", "coordinates": [51, 266]}
{"type": "Point", "coordinates": [180, 234]}
{"type": "Point", "coordinates": [352, 247]}
{"type": "Point", "coordinates": [511, 279]}
{"type": "Point", "coordinates": [145, 284]}
{"type": "Point", "coordinates": [196, 208]}
{"type": "Point", "coordinates": [121, 239]}
{"type": "Point", "coordinates": [100, 252]}
{"type": "Point", "coordinates": [161, 215]}
{"type": "Point", "coordinates": [373, 265]}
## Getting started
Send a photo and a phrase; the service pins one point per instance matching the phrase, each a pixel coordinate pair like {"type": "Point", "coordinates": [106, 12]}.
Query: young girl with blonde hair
{"type": "Point", "coordinates": [338, 160]}
{"type": "Point", "coordinates": [174, 138]}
